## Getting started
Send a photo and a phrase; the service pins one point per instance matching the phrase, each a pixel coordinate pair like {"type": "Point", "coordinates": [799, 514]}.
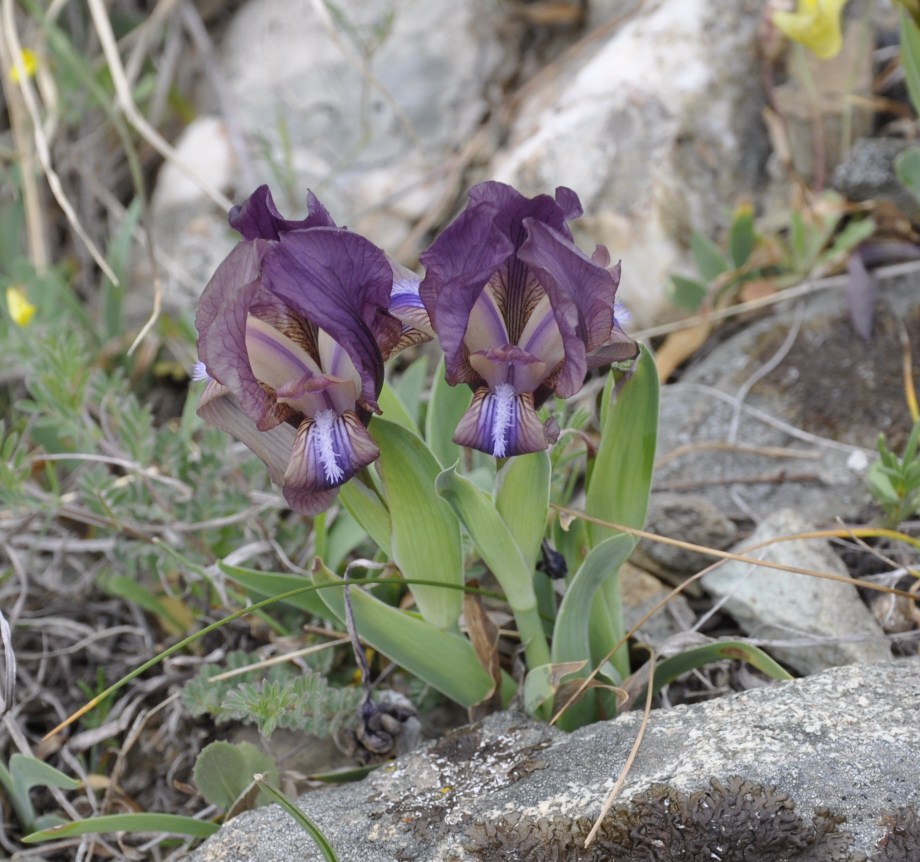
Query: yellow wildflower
{"type": "Point", "coordinates": [29, 62]}
{"type": "Point", "coordinates": [816, 24]}
{"type": "Point", "coordinates": [20, 309]}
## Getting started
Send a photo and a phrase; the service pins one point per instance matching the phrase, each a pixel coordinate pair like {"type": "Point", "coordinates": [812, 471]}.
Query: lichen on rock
{"type": "Point", "coordinates": [731, 821]}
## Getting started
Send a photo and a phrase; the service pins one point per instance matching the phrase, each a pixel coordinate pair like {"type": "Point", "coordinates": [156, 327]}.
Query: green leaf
{"type": "Point", "coordinates": [850, 237]}
{"type": "Point", "coordinates": [224, 771]}
{"type": "Point", "coordinates": [741, 235]}
{"type": "Point", "coordinates": [444, 660]}
{"type": "Point", "coordinates": [395, 410]}
{"type": "Point", "coordinates": [342, 538]}
{"type": "Point", "coordinates": [24, 773]}
{"type": "Point", "coordinates": [542, 683]}
{"type": "Point", "coordinates": [445, 408]}
{"type": "Point", "coordinates": [305, 823]}
{"type": "Point", "coordinates": [28, 772]}
{"type": "Point", "coordinates": [707, 256]}
{"type": "Point", "coordinates": [522, 500]}
{"type": "Point", "coordinates": [499, 550]}
{"type": "Point", "coordinates": [907, 168]}
{"type": "Point", "coordinates": [409, 384]}
{"type": "Point", "coordinates": [268, 584]}
{"type": "Point", "coordinates": [425, 538]}
{"type": "Point", "coordinates": [686, 292]}
{"type": "Point", "coordinates": [128, 588]}
{"type": "Point", "coordinates": [144, 822]}
{"type": "Point", "coordinates": [621, 479]}
{"type": "Point", "coordinates": [571, 641]}
{"type": "Point", "coordinates": [671, 668]}
{"type": "Point", "coordinates": [910, 58]}
{"type": "Point", "coordinates": [366, 507]}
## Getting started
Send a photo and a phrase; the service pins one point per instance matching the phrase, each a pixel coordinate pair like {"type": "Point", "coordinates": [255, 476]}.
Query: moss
{"type": "Point", "coordinates": [730, 821]}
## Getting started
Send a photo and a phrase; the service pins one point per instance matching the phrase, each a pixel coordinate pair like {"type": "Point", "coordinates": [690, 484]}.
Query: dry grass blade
{"type": "Point", "coordinates": [910, 392]}
{"type": "Point", "coordinates": [572, 514]}
{"type": "Point", "coordinates": [42, 148]}
{"type": "Point", "coordinates": [8, 673]}
{"type": "Point", "coordinates": [634, 751]}
{"type": "Point", "coordinates": [126, 103]}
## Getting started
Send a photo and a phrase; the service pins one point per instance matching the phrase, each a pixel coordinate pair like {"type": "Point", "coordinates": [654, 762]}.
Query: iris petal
{"type": "Point", "coordinates": [341, 283]}
{"type": "Point", "coordinates": [407, 307]}
{"type": "Point", "coordinates": [503, 423]}
{"type": "Point", "coordinates": [258, 217]}
{"type": "Point", "coordinates": [274, 358]}
{"type": "Point", "coordinates": [219, 407]}
{"type": "Point", "coordinates": [328, 451]}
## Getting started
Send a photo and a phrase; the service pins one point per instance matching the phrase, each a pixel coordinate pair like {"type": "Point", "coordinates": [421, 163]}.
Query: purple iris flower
{"type": "Point", "coordinates": [521, 313]}
{"type": "Point", "coordinates": [293, 330]}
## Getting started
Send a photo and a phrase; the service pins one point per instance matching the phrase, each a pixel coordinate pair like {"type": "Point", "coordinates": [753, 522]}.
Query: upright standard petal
{"type": "Point", "coordinates": [341, 283]}
{"type": "Point", "coordinates": [293, 329]}
{"type": "Point", "coordinates": [258, 217]}
{"type": "Point", "coordinates": [223, 312]}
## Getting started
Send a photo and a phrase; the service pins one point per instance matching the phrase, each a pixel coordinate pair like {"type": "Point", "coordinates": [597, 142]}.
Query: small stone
{"type": "Point", "coordinates": [809, 623]}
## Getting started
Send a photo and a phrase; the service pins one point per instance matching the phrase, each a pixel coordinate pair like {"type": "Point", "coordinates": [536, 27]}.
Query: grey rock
{"type": "Point", "coordinates": [811, 623]}
{"type": "Point", "coordinates": [827, 768]}
{"type": "Point", "coordinates": [656, 124]}
{"type": "Point", "coordinates": [366, 108]}
{"type": "Point", "coordinates": [868, 174]}
{"type": "Point", "coordinates": [640, 592]}
{"type": "Point", "coordinates": [688, 517]}
{"type": "Point", "coordinates": [807, 416]}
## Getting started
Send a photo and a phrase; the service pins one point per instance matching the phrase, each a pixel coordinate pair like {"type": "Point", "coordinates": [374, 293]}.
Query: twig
{"type": "Point", "coordinates": [126, 103]}
{"type": "Point", "coordinates": [634, 751]}
{"type": "Point", "coordinates": [41, 141]}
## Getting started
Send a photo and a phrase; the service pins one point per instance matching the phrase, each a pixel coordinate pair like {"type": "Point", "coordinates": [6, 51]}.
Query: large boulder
{"type": "Point", "coordinates": [656, 124]}
{"type": "Point", "coordinates": [823, 769]}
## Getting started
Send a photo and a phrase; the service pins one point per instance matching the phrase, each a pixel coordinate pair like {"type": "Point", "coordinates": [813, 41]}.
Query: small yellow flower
{"type": "Point", "coordinates": [816, 24]}
{"type": "Point", "coordinates": [29, 62]}
{"type": "Point", "coordinates": [20, 309]}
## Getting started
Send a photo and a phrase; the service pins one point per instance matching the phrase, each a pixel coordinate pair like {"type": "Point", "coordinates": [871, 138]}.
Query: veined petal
{"type": "Point", "coordinates": [329, 450]}
{"type": "Point", "coordinates": [485, 326]}
{"type": "Point", "coordinates": [458, 264]}
{"type": "Point", "coordinates": [582, 294]}
{"type": "Point", "coordinates": [275, 358]}
{"type": "Point", "coordinates": [218, 407]}
{"type": "Point", "coordinates": [258, 217]}
{"type": "Point", "coordinates": [407, 307]}
{"type": "Point", "coordinates": [223, 312]}
{"type": "Point", "coordinates": [504, 423]}
{"type": "Point", "coordinates": [509, 364]}
{"type": "Point", "coordinates": [541, 337]}
{"type": "Point", "coordinates": [341, 283]}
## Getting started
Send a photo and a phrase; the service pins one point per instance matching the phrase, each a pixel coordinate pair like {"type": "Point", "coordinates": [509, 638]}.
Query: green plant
{"type": "Point", "coordinates": [224, 772]}
{"type": "Point", "coordinates": [816, 239]}
{"type": "Point", "coordinates": [19, 777]}
{"type": "Point", "coordinates": [895, 481]}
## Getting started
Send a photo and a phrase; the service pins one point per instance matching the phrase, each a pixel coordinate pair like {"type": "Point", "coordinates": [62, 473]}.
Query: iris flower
{"type": "Point", "coordinates": [816, 24]}
{"type": "Point", "coordinates": [521, 313]}
{"type": "Point", "coordinates": [293, 330]}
